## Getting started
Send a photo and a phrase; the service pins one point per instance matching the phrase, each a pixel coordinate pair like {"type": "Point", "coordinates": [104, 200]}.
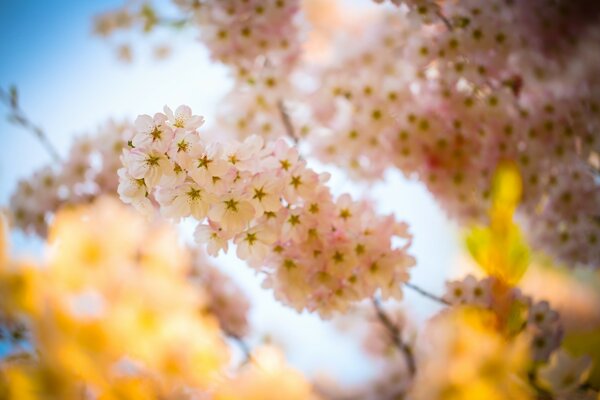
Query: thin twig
{"type": "Point", "coordinates": [173, 22]}
{"type": "Point", "coordinates": [287, 121]}
{"type": "Point", "coordinates": [243, 347]}
{"type": "Point", "coordinates": [18, 117]}
{"type": "Point", "coordinates": [395, 336]}
{"type": "Point", "coordinates": [426, 293]}
{"type": "Point", "coordinates": [444, 19]}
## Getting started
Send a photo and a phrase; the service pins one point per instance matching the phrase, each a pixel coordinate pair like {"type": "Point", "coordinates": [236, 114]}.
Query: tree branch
{"type": "Point", "coordinates": [445, 20]}
{"type": "Point", "coordinates": [287, 121]}
{"type": "Point", "coordinates": [395, 335]}
{"type": "Point", "coordinates": [427, 294]}
{"type": "Point", "coordinates": [18, 117]}
{"type": "Point", "coordinates": [243, 347]}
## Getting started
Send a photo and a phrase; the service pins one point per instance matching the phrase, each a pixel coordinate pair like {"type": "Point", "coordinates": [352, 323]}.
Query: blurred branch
{"type": "Point", "coordinates": [427, 294]}
{"type": "Point", "coordinates": [287, 121]}
{"type": "Point", "coordinates": [243, 347]}
{"type": "Point", "coordinates": [176, 23]}
{"type": "Point", "coordinates": [445, 20]}
{"type": "Point", "coordinates": [17, 117]}
{"type": "Point", "coordinates": [396, 337]}
{"type": "Point", "coordinates": [151, 18]}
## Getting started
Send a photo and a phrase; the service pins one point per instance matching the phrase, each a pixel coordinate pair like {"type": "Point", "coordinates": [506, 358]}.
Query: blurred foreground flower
{"type": "Point", "coordinates": [463, 356]}
{"type": "Point", "coordinates": [112, 314]}
{"type": "Point", "coordinates": [268, 378]}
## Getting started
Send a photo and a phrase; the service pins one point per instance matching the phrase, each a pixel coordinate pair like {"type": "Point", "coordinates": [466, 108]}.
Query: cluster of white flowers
{"type": "Point", "coordinates": [446, 106]}
{"type": "Point", "coordinates": [88, 171]}
{"type": "Point", "coordinates": [318, 253]}
{"type": "Point", "coordinates": [443, 91]}
{"type": "Point", "coordinates": [469, 290]}
{"type": "Point", "coordinates": [239, 32]}
{"type": "Point", "coordinates": [260, 41]}
{"type": "Point", "coordinates": [120, 27]}
{"type": "Point", "coordinates": [262, 102]}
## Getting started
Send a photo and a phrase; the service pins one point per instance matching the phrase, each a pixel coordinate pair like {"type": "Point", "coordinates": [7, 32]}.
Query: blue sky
{"type": "Point", "coordinates": [70, 82]}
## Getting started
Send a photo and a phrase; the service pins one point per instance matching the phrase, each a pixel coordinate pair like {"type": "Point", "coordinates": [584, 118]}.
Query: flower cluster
{"type": "Point", "coordinates": [443, 91]}
{"type": "Point", "coordinates": [446, 106]}
{"type": "Point", "coordinates": [239, 32]}
{"type": "Point", "coordinates": [88, 171]}
{"type": "Point", "coordinates": [109, 313]}
{"type": "Point", "coordinates": [537, 319]}
{"type": "Point", "coordinates": [113, 315]}
{"type": "Point", "coordinates": [318, 253]}
{"type": "Point", "coordinates": [260, 42]}
{"type": "Point", "coordinates": [469, 290]}
{"type": "Point", "coordinates": [262, 102]}
{"type": "Point", "coordinates": [484, 364]}
{"type": "Point", "coordinates": [118, 24]}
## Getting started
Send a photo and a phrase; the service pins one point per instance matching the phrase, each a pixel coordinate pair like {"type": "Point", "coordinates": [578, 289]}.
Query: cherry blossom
{"type": "Point", "coordinates": [281, 216]}
{"type": "Point", "coordinates": [447, 105]}
{"type": "Point", "coordinates": [88, 171]}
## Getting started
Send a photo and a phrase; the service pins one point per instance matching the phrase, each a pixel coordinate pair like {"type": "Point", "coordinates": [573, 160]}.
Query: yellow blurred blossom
{"type": "Point", "coordinates": [266, 378]}
{"type": "Point", "coordinates": [3, 240]}
{"type": "Point", "coordinates": [111, 313]}
{"type": "Point", "coordinates": [463, 356]}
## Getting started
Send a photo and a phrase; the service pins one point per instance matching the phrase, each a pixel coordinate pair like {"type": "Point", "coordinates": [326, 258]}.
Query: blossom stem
{"type": "Point", "coordinates": [426, 293]}
{"type": "Point", "coordinates": [395, 336]}
{"type": "Point", "coordinates": [287, 121]}
{"type": "Point", "coordinates": [18, 117]}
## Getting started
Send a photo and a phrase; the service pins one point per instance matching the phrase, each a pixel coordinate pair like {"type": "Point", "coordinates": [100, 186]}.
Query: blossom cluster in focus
{"type": "Point", "coordinates": [319, 253]}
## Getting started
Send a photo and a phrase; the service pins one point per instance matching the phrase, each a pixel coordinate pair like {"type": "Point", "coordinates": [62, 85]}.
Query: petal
{"type": "Point", "coordinates": [144, 123]}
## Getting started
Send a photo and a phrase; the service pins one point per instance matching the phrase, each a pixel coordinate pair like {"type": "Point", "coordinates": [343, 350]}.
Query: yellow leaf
{"type": "Point", "coordinates": [500, 249]}
{"type": "Point", "coordinates": [507, 186]}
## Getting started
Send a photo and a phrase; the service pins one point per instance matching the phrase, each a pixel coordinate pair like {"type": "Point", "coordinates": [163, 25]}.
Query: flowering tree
{"type": "Point", "coordinates": [493, 106]}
